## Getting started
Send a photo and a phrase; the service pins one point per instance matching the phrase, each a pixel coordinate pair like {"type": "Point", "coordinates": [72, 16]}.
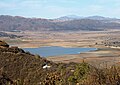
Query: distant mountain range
{"type": "Point", "coordinates": [65, 23]}
{"type": "Point", "coordinates": [69, 17]}
{"type": "Point", "coordinates": [75, 17]}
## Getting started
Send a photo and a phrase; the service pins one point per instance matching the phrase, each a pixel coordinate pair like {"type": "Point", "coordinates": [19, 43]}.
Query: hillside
{"type": "Point", "coordinates": [3, 34]}
{"type": "Point", "coordinates": [87, 24]}
{"type": "Point", "coordinates": [18, 67]}
{"type": "Point", "coordinates": [10, 23]}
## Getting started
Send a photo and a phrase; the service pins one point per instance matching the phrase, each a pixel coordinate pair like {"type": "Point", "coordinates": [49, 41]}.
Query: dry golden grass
{"type": "Point", "coordinates": [71, 39]}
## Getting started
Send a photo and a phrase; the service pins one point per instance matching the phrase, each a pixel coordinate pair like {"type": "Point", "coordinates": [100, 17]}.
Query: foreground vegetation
{"type": "Point", "coordinates": [22, 68]}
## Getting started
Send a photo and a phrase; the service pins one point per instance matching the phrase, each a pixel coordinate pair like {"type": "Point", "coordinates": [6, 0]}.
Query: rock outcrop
{"type": "Point", "coordinates": [3, 44]}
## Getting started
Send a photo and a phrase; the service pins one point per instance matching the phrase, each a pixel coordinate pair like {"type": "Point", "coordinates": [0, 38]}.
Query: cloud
{"type": "Point", "coordinates": [44, 7]}
{"type": "Point", "coordinates": [56, 8]}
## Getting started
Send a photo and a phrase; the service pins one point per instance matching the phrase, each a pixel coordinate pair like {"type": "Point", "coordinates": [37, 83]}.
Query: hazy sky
{"type": "Point", "coordinates": [57, 8]}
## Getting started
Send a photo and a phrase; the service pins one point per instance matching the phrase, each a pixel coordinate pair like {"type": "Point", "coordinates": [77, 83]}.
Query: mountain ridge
{"type": "Point", "coordinates": [95, 23]}
{"type": "Point", "coordinates": [76, 17]}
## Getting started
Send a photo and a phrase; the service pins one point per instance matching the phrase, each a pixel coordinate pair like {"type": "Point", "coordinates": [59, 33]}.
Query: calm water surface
{"type": "Point", "coordinates": [56, 50]}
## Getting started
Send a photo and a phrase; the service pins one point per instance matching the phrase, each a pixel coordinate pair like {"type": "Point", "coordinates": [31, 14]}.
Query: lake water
{"type": "Point", "coordinates": [56, 50]}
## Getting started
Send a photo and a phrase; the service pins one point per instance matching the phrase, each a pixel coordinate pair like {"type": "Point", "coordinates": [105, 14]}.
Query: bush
{"type": "Point", "coordinates": [80, 73]}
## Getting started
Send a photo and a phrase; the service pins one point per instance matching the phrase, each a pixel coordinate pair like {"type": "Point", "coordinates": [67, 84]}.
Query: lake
{"type": "Point", "coordinates": [57, 51]}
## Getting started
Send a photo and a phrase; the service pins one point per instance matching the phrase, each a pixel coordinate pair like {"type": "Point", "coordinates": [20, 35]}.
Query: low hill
{"type": "Point", "coordinates": [10, 23]}
{"type": "Point", "coordinates": [3, 34]}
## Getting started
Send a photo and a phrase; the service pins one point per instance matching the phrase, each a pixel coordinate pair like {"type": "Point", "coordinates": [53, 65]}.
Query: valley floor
{"type": "Point", "coordinates": [97, 39]}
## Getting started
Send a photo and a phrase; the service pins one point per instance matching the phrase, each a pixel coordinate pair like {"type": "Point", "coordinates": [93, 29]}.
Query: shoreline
{"type": "Point", "coordinates": [98, 56]}
{"type": "Point", "coordinates": [87, 39]}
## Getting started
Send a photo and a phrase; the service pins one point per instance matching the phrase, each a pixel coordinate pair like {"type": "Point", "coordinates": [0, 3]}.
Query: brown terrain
{"type": "Point", "coordinates": [100, 67]}
{"type": "Point", "coordinates": [18, 23]}
{"type": "Point", "coordinates": [103, 40]}
{"type": "Point", "coordinates": [18, 67]}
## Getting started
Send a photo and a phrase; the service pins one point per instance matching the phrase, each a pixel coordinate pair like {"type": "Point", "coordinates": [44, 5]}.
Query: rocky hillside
{"type": "Point", "coordinates": [18, 67]}
{"type": "Point", "coordinates": [10, 23]}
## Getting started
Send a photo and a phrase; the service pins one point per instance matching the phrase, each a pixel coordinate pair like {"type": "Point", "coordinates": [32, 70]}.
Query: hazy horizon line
{"type": "Point", "coordinates": [59, 16]}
